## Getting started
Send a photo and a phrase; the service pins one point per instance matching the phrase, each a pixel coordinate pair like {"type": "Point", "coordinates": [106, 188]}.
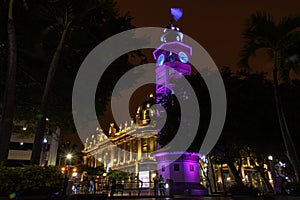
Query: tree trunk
{"type": "Point", "coordinates": [225, 190]}
{"type": "Point", "coordinates": [260, 170]}
{"type": "Point", "coordinates": [287, 139]}
{"type": "Point", "coordinates": [41, 125]}
{"type": "Point", "coordinates": [9, 94]}
{"type": "Point", "coordinates": [207, 178]}
{"type": "Point", "coordinates": [234, 171]}
{"type": "Point", "coordinates": [213, 174]}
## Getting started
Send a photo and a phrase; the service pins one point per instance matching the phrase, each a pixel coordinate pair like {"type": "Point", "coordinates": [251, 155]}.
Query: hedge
{"type": "Point", "coordinates": [30, 180]}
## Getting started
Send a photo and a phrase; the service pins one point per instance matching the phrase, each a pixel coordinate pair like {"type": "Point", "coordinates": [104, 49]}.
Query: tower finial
{"type": "Point", "coordinates": [176, 13]}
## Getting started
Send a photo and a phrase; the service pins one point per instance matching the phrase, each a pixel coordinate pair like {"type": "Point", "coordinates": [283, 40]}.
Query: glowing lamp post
{"type": "Point", "coordinates": [270, 158]}
{"type": "Point", "coordinates": [69, 157]}
{"type": "Point", "coordinates": [272, 170]}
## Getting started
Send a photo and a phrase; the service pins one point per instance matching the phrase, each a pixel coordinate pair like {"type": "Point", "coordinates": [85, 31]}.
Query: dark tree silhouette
{"type": "Point", "coordinates": [8, 105]}
{"type": "Point", "coordinates": [281, 41]}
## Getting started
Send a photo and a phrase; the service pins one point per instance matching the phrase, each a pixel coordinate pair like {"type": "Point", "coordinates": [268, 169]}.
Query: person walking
{"type": "Point", "coordinates": [92, 185]}
{"type": "Point", "coordinates": [155, 180]}
{"type": "Point", "coordinates": [140, 186]}
{"type": "Point", "coordinates": [161, 185]}
{"type": "Point", "coordinates": [113, 187]}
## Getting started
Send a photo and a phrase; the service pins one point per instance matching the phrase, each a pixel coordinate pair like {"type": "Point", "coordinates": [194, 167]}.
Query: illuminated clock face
{"type": "Point", "coordinates": [183, 57]}
{"type": "Point", "coordinates": [161, 59]}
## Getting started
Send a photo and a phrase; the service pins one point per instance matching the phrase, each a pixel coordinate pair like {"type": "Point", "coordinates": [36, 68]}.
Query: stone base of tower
{"type": "Point", "coordinates": [183, 169]}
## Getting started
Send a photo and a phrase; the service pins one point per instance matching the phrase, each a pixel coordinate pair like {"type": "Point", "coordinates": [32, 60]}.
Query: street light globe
{"type": "Point", "coordinates": [74, 174]}
{"type": "Point", "coordinates": [270, 157]}
{"type": "Point", "coordinates": [69, 156]}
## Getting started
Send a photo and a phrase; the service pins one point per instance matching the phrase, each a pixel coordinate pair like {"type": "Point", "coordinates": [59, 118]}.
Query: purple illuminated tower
{"type": "Point", "coordinates": [172, 58]}
{"type": "Point", "coordinates": [172, 61]}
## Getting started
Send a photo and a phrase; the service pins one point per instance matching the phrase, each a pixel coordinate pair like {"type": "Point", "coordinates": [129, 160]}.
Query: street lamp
{"type": "Point", "coordinates": [69, 157]}
{"type": "Point", "coordinates": [43, 153]}
{"type": "Point", "coordinates": [270, 158]}
{"type": "Point", "coordinates": [272, 170]}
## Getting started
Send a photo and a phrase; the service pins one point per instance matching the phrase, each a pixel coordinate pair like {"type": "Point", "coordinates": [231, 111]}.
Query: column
{"type": "Point", "coordinates": [139, 149]}
{"type": "Point", "coordinates": [119, 155]}
{"type": "Point", "coordinates": [104, 161]}
{"type": "Point", "coordinates": [131, 149]}
{"type": "Point", "coordinates": [124, 152]}
{"type": "Point", "coordinates": [84, 160]}
{"type": "Point", "coordinates": [112, 155]}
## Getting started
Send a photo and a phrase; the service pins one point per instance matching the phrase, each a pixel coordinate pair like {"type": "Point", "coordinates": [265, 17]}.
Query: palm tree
{"type": "Point", "coordinates": [91, 19]}
{"type": "Point", "coordinates": [280, 40]}
{"type": "Point", "coordinates": [63, 19]}
{"type": "Point", "coordinates": [9, 94]}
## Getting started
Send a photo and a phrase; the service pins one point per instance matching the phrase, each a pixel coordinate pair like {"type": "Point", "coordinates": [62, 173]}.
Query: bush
{"type": "Point", "coordinates": [292, 188]}
{"type": "Point", "coordinates": [7, 180]}
{"type": "Point", "coordinates": [30, 180]}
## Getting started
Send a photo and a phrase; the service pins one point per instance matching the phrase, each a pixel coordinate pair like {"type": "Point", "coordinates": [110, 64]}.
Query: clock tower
{"type": "Point", "coordinates": [172, 64]}
{"type": "Point", "coordinates": [172, 61]}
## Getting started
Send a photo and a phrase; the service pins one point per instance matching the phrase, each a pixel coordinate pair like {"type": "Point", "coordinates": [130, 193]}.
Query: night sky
{"type": "Point", "coordinates": [216, 24]}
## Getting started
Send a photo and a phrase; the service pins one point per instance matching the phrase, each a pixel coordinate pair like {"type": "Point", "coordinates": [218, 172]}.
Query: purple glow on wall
{"type": "Point", "coordinates": [176, 13]}
{"type": "Point", "coordinates": [191, 175]}
{"type": "Point", "coordinates": [161, 154]}
{"type": "Point", "coordinates": [188, 171]}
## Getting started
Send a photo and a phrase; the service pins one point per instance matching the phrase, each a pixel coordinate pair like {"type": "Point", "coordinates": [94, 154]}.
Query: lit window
{"type": "Point", "coordinates": [176, 167]}
{"type": "Point", "coordinates": [191, 168]}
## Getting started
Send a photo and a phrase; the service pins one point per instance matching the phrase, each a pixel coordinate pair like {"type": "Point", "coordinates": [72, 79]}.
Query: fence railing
{"type": "Point", "coordinates": [126, 189]}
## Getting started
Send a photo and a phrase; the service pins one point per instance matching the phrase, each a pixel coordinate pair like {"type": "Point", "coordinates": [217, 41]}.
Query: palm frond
{"type": "Point", "coordinates": [262, 32]}
{"type": "Point", "coordinates": [260, 27]}
{"type": "Point", "coordinates": [56, 11]}
{"type": "Point", "coordinates": [249, 50]}
{"type": "Point", "coordinates": [288, 24]}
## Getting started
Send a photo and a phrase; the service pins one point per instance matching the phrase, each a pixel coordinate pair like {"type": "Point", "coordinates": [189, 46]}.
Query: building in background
{"type": "Point", "coordinates": [127, 149]}
{"type": "Point", "coordinates": [21, 143]}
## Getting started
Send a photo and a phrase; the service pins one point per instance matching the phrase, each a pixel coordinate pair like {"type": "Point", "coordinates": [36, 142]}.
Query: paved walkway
{"type": "Point", "coordinates": [212, 198]}
{"type": "Point", "coordinates": [97, 197]}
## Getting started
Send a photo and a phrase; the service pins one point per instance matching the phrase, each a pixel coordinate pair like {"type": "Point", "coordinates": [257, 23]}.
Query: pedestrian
{"type": "Point", "coordinates": [140, 186]}
{"type": "Point", "coordinates": [113, 187]}
{"type": "Point", "coordinates": [155, 180]}
{"type": "Point", "coordinates": [92, 185]}
{"type": "Point", "coordinates": [84, 188]}
{"type": "Point", "coordinates": [161, 185]}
